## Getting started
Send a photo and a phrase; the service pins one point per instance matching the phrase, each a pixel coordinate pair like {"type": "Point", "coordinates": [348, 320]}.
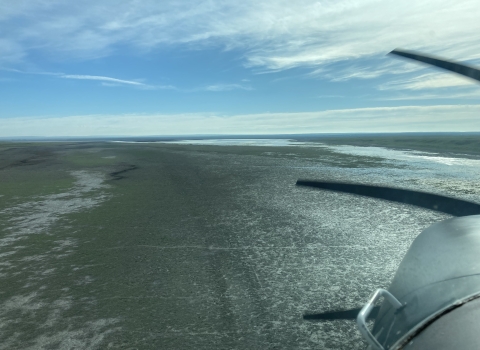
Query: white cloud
{"type": "Point", "coordinates": [430, 81]}
{"type": "Point", "coordinates": [272, 34]}
{"type": "Point", "coordinates": [381, 119]}
{"type": "Point", "coordinates": [226, 87]}
{"type": "Point", "coordinates": [10, 51]}
{"type": "Point", "coordinates": [436, 95]}
{"type": "Point", "coordinates": [104, 79]}
{"type": "Point", "coordinates": [108, 81]}
{"type": "Point", "coordinates": [366, 70]}
{"type": "Point", "coordinates": [330, 96]}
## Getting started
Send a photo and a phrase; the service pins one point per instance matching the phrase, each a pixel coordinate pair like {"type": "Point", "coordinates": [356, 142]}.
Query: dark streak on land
{"type": "Point", "coordinates": [116, 174]}
{"type": "Point", "coordinates": [35, 157]}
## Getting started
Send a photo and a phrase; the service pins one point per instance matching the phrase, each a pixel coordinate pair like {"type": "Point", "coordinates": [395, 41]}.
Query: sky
{"type": "Point", "coordinates": [141, 67]}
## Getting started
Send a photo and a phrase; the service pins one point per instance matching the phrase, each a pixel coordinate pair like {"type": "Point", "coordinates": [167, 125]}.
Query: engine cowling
{"type": "Point", "coordinates": [438, 284]}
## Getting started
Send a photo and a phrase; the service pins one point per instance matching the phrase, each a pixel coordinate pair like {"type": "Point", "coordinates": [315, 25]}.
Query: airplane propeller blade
{"type": "Point", "coordinates": [339, 315]}
{"type": "Point", "coordinates": [448, 205]}
{"type": "Point", "coordinates": [444, 204]}
{"type": "Point", "coordinates": [452, 66]}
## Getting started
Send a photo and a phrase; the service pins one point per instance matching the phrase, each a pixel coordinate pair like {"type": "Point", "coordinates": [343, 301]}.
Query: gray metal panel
{"type": "Point", "coordinates": [458, 329]}
{"type": "Point", "coordinates": [441, 268]}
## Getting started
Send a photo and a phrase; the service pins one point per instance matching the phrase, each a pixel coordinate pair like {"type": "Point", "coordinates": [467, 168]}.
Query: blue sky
{"type": "Point", "coordinates": [223, 67]}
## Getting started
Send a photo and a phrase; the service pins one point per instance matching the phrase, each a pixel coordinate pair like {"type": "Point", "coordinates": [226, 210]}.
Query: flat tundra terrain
{"type": "Point", "coordinates": [205, 244]}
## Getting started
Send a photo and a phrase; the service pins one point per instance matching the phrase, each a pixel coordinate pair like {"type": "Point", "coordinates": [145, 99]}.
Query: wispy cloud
{"type": "Point", "coordinates": [104, 79]}
{"type": "Point", "coordinates": [13, 70]}
{"type": "Point", "coordinates": [330, 96]}
{"type": "Point", "coordinates": [226, 87]}
{"type": "Point", "coordinates": [429, 81]}
{"type": "Point", "coordinates": [108, 81]}
{"type": "Point", "coordinates": [380, 119]}
{"type": "Point", "coordinates": [367, 69]}
{"type": "Point", "coordinates": [436, 95]}
{"type": "Point", "coordinates": [273, 35]}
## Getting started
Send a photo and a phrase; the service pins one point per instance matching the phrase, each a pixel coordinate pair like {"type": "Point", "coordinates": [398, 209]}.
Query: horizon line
{"type": "Point", "coordinates": [223, 136]}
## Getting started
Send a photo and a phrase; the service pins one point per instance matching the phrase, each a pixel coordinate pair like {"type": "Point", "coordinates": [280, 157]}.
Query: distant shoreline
{"type": "Point", "coordinates": [226, 136]}
{"type": "Point", "coordinates": [453, 144]}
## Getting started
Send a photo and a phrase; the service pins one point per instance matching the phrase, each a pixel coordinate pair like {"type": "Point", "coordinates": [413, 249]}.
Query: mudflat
{"type": "Point", "coordinates": [180, 246]}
